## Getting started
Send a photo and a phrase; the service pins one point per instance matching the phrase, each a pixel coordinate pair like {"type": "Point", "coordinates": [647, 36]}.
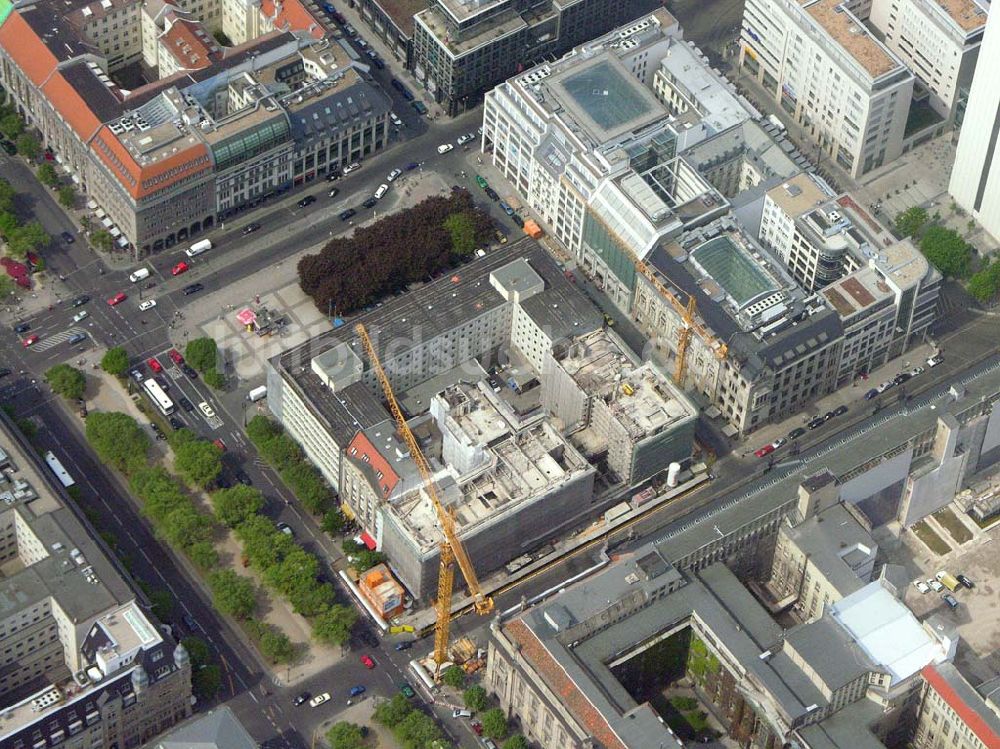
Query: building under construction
{"type": "Point", "coordinates": [617, 408]}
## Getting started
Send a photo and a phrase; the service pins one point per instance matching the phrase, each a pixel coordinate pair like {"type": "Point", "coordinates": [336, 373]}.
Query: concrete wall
{"type": "Point", "coordinates": [878, 491]}
{"type": "Point", "coordinates": [931, 491]}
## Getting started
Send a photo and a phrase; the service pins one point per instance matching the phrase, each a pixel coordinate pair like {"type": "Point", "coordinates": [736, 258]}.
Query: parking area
{"type": "Point", "coordinates": [978, 609]}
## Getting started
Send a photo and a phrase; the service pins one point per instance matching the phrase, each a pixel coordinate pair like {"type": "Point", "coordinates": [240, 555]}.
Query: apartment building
{"type": "Point", "coordinates": [975, 177]}
{"type": "Point", "coordinates": [832, 76]}
{"type": "Point", "coordinates": [462, 48]}
{"type": "Point", "coordinates": [83, 666]}
{"type": "Point", "coordinates": [953, 715]}
{"type": "Point", "coordinates": [222, 130]}
{"type": "Point", "coordinates": [939, 42]}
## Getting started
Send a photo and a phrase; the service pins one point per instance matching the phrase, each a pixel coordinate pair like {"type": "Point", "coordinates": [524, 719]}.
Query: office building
{"type": "Point", "coordinates": [615, 407]}
{"type": "Point", "coordinates": [975, 177]}
{"type": "Point", "coordinates": [392, 22]}
{"type": "Point", "coordinates": [848, 90]}
{"type": "Point", "coordinates": [953, 715]}
{"type": "Point", "coordinates": [939, 42]}
{"type": "Point", "coordinates": [219, 131]}
{"type": "Point", "coordinates": [83, 666]}
{"type": "Point", "coordinates": [463, 48]}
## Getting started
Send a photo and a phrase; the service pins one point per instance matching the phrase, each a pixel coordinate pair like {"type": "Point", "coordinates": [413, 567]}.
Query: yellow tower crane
{"type": "Point", "coordinates": [451, 546]}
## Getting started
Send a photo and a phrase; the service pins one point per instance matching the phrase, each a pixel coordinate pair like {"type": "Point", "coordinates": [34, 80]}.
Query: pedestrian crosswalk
{"type": "Point", "coordinates": [56, 338]}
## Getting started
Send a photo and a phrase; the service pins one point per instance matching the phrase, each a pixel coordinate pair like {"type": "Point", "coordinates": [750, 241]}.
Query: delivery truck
{"type": "Point", "coordinates": [258, 393]}
{"type": "Point", "coordinates": [198, 247]}
{"type": "Point", "coordinates": [948, 581]}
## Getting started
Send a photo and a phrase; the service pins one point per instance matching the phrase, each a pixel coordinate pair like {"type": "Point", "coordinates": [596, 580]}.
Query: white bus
{"type": "Point", "coordinates": [156, 394]}
{"type": "Point", "coordinates": [57, 468]}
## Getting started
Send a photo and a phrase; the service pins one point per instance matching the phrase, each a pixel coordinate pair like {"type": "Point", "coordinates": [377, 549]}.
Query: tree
{"type": "Point", "coordinates": [27, 238]}
{"type": "Point", "coordinates": [66, 381]}
{"type": "Point", "coordinates": [11, 126]}
{"type": "Point", "coordinates": [201, 353]}
{"type": "Point", "coordinates": [333, 626]}
{"type": "Point", "coordinates": [463, 233]}
{"type": "Point", "coordinates": [198, 651]}
{"type": "Point", "coordinates": [199, 461]}
{"type": "Point", "coordinates": [67, 196]}
{"type": "Point", "coordinates": [344, 735]}
{"type": "Point", "coordinates": [28, 146]}
{"type": "Point", "coordinates": [910, 222]}
{"type": "Point", "coordinates": [517, 741]}
{"type": "Point", "coordinates": [260, 429]}
{"type": "Point", "coordinates": [297, 565]}
{"type": "Point", "coordinates": [947, 251]}
{"type": "Point", "coordinates": [311, 597]}
{"type": "Point", "coordinates": [7, 194]}
{"type": "Point", "coordinates": [115, 361]}
{"type": "Point", "coordinates": [185, 526]}
{"type": "Point", "coordinates": [48, 175]}
{"type": "Point", "coordinates": [334, 522]}
{"type": "Point", "coordinates": [390, 714]}
{"type": "Point", "coordinates": [237, 504]}
{"type": "Point", "coordinates": [417, 730]}
{"type": "Point", "coordinates": [215, 379]}
{"type": "Point", "coordinates": [985, 285]}
{"type": "Point", "coordinates": [102, 240]}
{"type": "Point", "coordinates": [162, 603]}
{"type": "Point", "coordinates": [6, 285]}
{"type": "Point", "coordinates": [276, 647]}
{"type": "Point", "coordinates": [475, 698]}
{"type": "Point", "coordinates": [494, 723]}
{"type": "Point", "coordinates": [308, 485]}
{"type": "Point", "coordinates": [206, 682]}
{"type": "Point", "coordinates": [203, 554]}
{"type": "Point", "coordinates": [281, 451]}
{"type": "Point", "coordinates": [454, 676]}
{"type": "Point", "coordinates": [8, 224]}
{"type": "Point", "coordinates": [233, 594]}
{"type": "Point", "coordinates": [118, 440]}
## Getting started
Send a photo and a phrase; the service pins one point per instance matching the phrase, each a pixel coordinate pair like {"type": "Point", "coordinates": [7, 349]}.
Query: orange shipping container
{"type": "Point", "coordinates": [532, 229]}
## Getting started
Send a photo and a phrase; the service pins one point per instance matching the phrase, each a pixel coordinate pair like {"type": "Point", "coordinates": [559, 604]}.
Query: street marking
{"type": "Point", "coordinates": [54, 340]}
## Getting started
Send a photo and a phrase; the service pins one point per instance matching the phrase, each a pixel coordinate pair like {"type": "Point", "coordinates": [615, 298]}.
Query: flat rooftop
{"type": "Point", "coordinates": [856, 292]}
{"type": "Point", "coordinates": [712, 95]}
{"type": "Point", "coordinates": [852, 36]}
{"type": "Point", "coordinates": [967, 14]}
{"type": "Point", "coordinates": [799, 194]}
{"type": "Point", "coordinates": [401, 12]}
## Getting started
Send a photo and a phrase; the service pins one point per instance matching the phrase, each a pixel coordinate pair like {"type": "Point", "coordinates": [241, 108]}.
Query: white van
{"type": "Point", "coordinates": [257, 394]}
{"type": "Point", "coordinates": [198, 247]}
{"type": "Point", "coordinates": [139, 275]}
{"type": "Point", "coordinates": [381, 191]}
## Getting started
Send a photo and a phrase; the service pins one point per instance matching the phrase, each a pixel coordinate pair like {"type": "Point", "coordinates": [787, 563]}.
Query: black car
{"type": "Point", "coordinates": [189, 622]}
{"type": "Point", "coordinates": [966, 582]}
{"type": "Point", "coordinates": [157, 431]}
{"type": "Point", "coordinates": [162, 382]}
{"type": "Point", "coordinates": [829, 415]}
{"type": "Point", "coordinates": [176, 423]}
{"type": "Point", "coordinates": [243, 478]}
{"type": "Point", "coordinates": [404, 645]}
{"type": "Point", "coordinates": [493, 195]}
{"type": "Point", "coordinates": [22, 327]}
{"type": "Point", "coordinates": [193, 289]}
{"type": "Point", "coordinates": [334, 192]}
{"type": "Point", "coordinates": [370, 201]}
{"type": "Point", "coordinates": [185, 404]}
{"type": "Point", "coordinates": [308, 200]}
{"type": "Point", "coordinates": [840, 410]}
{"type": "Point", "coordinates": [137, 375]}
{"type": "Point", "coordinates": [4, 372]}
{"type": "Point", "coordinates": [411, 166]}
{"type": "Point", "coordinates": [347, 214]}
{"type": "Point", "coordinates": [80, 300]}
{"type": "Point", "coordinates": [67, 237]}
{"type": "Point", "coordinates": [251, 228]}
{"type": "Point", "coordinates": [189, 371]}
{"type": "Point", "coordinates": [796, 433]}
{"type": "Point", "coordinates": [873, 393]}
{"type": "Point", "coordinates": [9, 147]}
{"type": "Point", "coordinates": [817, 422]}
{"type": "Point", "coordinates": [901, 378]}
{"type": "Point", "coordinates": [333, 176]}
{"type": "Point", "coordinates": [301, 699]}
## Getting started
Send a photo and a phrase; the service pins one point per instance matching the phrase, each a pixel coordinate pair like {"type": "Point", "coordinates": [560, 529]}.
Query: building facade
{"type": "Point", "coordinates": [832, 76]}
{"type": "Point", "coordinates": [975, 177]}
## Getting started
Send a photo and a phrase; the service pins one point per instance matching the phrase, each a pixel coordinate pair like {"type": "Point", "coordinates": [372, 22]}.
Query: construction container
{"type": "Point", "coordinates": [382, 591]}
{"type": "Point", "coordinates": [532, 229]}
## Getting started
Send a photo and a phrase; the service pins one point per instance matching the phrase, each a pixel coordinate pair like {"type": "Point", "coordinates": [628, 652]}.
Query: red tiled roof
{"type": "Point", "coordinates": [292, 15]}
{"type": "Point", "coordinates": [557, 680]}
{"type": "Point", "coordinates": [27, 49]}
{"type": "Point", "coordinates": [361, 447]}
{"type": "Point", "coordinates": [72, 107]}
{"type": "Point", "coordinates": [141, 181]}
{"type": "Point", "coordinates": [969, 716]}
{"type": "Point", "coordinates": [190, 50]}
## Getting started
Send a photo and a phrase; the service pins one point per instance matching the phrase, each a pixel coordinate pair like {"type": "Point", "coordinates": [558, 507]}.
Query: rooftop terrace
{"type": "Point", "coordinates": [852, 36]}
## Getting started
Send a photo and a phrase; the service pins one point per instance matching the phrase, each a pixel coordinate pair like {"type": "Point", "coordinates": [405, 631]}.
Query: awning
{"type": "Point", "coordinates": [107, 222]}
{"type": "Point", "coordinates": [115, 231]}
{"type": "Point", "coordinates": [368, 541]}
{"type": "Point", "coordinates": [92, 204]}
{"type": "Point", "coordinates": [122, 242]}
{"type": "Point", "coordinates": [246, 317]}
{"type": "Point", "coordinates": [99, 213]}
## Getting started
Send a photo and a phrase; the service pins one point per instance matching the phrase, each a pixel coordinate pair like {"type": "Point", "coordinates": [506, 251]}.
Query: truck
{"type": "Point", "coordinates": [258, 393]}
{"type": "Point", "coordinates": [198, 247]}
{"type": "Point", "coordinates": [948, 580]}
{"type": "Point", "coordinates": [139, 275]}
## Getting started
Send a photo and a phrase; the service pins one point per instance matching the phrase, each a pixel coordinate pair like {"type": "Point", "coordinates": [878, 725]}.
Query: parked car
{"type": "Point", "coordinates": [67, 237]}
{"type": "Point", "coordinates": [816, 422]}
{"type": "Point", "coordinates": [922, 586]}
{"type": "Point", "coordinates": [219, 444]}
{"type": "Point", "coordinates": [407, 691]}
{"type": "Point", "coordinates": [251, 228]}
{"type": "Point", "coordinates": [367, 660]}
{"type": "Point", "coordinates": [345, 215]}
{"type": "Point", "coordinates": [950, 600]}
{"type": "Point", "coordinates": [286, 529]}
{"type": "Point", "coordinates": [501, 237]}
{"type": "Point", "coordinates": [176, 423]}
{"type": "Point", "coordinates": [357, 690]}
{"type": "Point", "coordinates": [137, 375]}
{"type": "Point", "coordinates": [934, 585]}
{"type": "Point", "coordinates": [381, 191]}
{"type": "Point", "coordinates": [873, 393]}
{"type": "Point", "coordinates": [22, 328]}
{"type": "Point", "coordinates": [460, 713]}
{"type": "Point", "coordinates": [175, 356]}
{"type": "Point", "coordinates": [840, 410]}
{"type": "Point", "coordinates": [463, 139]}
{"type": "Point", "coordinates": [796, 433]}
{"type": "Point", "coordinates": [354, 165]}
{"type": "Point", "coordinates": [370, 201]}
{"type": "Point", "coordinates": [901, 378]}
{"type": "Point", "coordinates": [916, 371]}
{"type": "Point", "coordinates": [966, 582]}
{"type": "Point", "coordinates": [181, 267]}
{"type": "Point", "coordinates": [163, 383]}
{"type": "Point", "coordinates": [193, 289]}
{"type": "Point", "coordinates": [307, 201]}
{"type": "Point", "coordinates": [81, 300]}
{"type": "Point", "coordinates": [334, 193]}
{"type": "Point", "coordinates": [147, 304]}
{"type": "Point", "coordinates": [243, 478]}
{"type": "Point", "coordinates": [301, 698]}
{"type": "Point", "coordinates": [117, 298]}
{"type": "Point", "coordinates": [935, 360]}
{"type": "Point", "coordinates": [81, 315]}
{"type": "Point", "coordinates": [394, 118]}
{"type": "Point", "coordinates": [404, 645]}
{"type": "Point", "coordinates": [393, 175]}
{"type": "Point", "coordinates": [154, 364]}
{"type": "Point", "coordinates": [445, 147]}
{"type": "Point", "coordinates": [477, 728]}
{"type": "Point", "coordinates": [764, 451]}
{"type": "Point", "coordinates": [829, 415]}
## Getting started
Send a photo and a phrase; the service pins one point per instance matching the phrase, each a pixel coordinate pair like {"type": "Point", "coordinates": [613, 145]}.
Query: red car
{"type": "Point", "coordinates": [367, 660]}
{"type": "Point", "coordinates": [181, 267]}
{"type": "Point", "coordinates": [219, 444]}
{"type": "Point", "coordinates": [29, 340]}
{"type": "Point", "coordinates": [175, 356]}
{"type": "Point", "coordinates": [118, 298]}
{"type": "Point", "coordinates": [154, 365]}
{"type": "Point", "coordinates": [478, 728]}
{"type": "Point", "coordinates": [765, 450]}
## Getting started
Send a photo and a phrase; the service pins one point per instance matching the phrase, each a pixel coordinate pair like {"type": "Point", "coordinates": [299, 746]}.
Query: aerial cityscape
{"type": "Point", "coordinates": [499, 374]}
